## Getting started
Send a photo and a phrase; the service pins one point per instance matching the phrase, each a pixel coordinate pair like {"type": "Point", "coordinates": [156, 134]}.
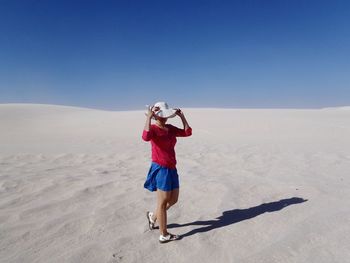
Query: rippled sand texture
{"type": "Point", "coordinates": [256, 186]}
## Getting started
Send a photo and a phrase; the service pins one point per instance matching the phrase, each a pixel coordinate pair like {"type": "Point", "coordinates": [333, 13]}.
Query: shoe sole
{"type": "Point", "coordinates": [149, 221]}
{"type": "Point", "coordinates": [167, 241]}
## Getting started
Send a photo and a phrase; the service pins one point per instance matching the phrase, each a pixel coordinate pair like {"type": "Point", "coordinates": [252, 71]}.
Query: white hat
{"type": "Point", "coordinates": [164, 110]}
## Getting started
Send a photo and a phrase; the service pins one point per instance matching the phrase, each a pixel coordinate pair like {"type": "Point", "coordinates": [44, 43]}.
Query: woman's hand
{"type": "Point", "coordinates": [151, 111]}
{"type": "Point", "coordinates": [179, 113]}
{"type": "Point", "coordinates": [183, 119]}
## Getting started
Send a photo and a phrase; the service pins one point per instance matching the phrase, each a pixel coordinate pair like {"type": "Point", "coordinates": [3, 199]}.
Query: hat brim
{"type": "Point", "coordinates": [168, 113]}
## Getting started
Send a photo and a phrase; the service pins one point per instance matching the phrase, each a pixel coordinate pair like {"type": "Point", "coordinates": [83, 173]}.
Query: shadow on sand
{"type": "Point", "coordinates": [237, 215]}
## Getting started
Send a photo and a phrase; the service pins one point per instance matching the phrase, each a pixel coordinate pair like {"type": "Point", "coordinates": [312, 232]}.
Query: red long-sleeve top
{"type": "Point", "coordinates": [163, 143]}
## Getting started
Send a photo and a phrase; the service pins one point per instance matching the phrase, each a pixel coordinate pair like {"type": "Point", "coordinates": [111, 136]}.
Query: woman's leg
{"type": "Point", "coordinates": [163, 199]}
{"type": "Point", "coordinates": [174, 196]}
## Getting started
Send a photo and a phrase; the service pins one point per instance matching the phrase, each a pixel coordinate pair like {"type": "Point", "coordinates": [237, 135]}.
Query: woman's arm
{"type": "Point", "coordinates": [148, 123]}
{"type": "Point", "coordinates": [183, 119]}
{"type": "Point", "coordinates": [187, 130]}
{"type": "Point", "coordinates": [147, 135]}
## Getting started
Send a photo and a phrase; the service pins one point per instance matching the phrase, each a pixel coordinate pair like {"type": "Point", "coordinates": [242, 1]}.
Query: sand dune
{"type": "Point", "coordinates": [257, 185]}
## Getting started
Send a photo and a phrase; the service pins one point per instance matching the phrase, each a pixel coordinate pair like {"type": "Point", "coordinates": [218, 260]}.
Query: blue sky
{"type": "Point", "coordinates": [121, 55]}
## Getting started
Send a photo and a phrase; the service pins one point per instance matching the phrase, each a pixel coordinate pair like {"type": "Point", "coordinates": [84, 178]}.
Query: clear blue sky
{"type": "Point", "coordinates": [121, 55]}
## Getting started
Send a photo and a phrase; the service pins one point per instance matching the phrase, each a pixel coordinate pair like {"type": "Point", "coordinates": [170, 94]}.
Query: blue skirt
{"type": "Point", "coordinates": [163, 178]}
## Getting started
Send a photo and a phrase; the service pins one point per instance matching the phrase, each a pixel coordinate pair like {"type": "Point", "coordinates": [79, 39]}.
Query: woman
{"type": "Point", "coordinates": [162, 176]}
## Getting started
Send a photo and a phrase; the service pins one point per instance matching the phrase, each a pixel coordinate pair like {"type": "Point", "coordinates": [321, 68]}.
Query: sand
{"type": "Point", "coordinates": [257, 185]}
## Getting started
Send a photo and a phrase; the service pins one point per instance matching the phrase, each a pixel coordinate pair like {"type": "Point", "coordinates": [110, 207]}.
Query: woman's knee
{"type": "Point", "coordinates": [163, 204]}
{"type": "Point", "coordinates": [163, 199]}
{"type": "Point", "coordinates": [174, 196]}
{"type": "Point", "coordinates": [173, 201]}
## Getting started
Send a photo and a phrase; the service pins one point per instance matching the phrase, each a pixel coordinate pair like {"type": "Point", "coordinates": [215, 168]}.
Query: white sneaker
{"type": "Point", "coordinates": [151, 222]}
{"type": "Point", "coordinates": [169, 237]}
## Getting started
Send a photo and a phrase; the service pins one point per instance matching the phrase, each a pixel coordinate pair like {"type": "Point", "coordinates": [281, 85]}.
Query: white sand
{"type": "Point", "coordinates": [71, 186]}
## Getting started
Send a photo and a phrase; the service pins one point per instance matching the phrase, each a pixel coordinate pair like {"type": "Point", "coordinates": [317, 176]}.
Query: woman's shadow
{"type": "Point", "coordinates": [237, 215]}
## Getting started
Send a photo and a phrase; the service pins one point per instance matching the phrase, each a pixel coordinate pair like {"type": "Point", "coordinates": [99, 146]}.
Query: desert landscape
{"type": "Point", "coordinates": [257, 185]}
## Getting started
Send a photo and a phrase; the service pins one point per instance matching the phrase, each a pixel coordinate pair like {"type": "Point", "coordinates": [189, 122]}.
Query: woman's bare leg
{"type": "Point", "coordinates": [163, 199]}
{"type": "Point", "coordinates": [174, 196]}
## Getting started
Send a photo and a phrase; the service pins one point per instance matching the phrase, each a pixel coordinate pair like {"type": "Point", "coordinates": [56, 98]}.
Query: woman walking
{"type": "Point", "coordinates": [162, 176]}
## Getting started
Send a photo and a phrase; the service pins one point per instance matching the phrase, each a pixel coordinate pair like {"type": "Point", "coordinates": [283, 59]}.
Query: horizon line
{"type": "Point", "coordinates": [213, 108]}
